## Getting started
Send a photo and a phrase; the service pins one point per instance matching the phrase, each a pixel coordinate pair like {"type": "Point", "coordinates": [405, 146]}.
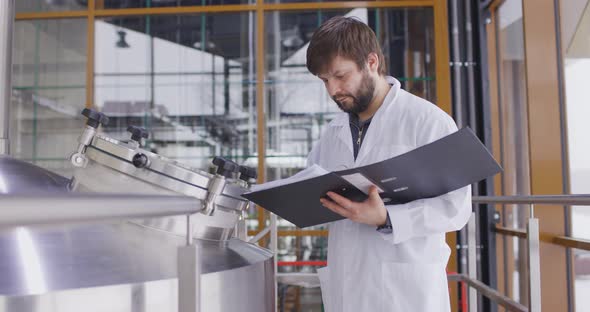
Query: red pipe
{"type": "Point", "coordinates": [301, 263]}
{"type": "Point", "coordinates": [463, 300]}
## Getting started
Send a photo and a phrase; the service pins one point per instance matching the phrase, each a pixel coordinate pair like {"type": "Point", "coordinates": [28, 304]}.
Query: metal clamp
{"type": "Point", "coordinates": [79, 159]}
{"type": "Point", "coordinates": [241, 230]}
{"type": "Point", "coordinates": [214, 188]}
{"type": "Point", "coordinates": [93, 121]}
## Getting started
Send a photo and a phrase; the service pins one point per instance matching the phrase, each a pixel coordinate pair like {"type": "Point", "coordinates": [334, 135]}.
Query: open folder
{"type": "Point", "coordinates": [442, 166]}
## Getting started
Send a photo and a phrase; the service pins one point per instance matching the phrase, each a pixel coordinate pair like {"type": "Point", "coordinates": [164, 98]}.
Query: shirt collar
{"type": "Point", "coordinates": [354, 120]}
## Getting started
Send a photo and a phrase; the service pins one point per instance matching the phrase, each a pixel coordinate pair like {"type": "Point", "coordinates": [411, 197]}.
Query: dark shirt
{"type": "Point", "coordinates": [358, 129]}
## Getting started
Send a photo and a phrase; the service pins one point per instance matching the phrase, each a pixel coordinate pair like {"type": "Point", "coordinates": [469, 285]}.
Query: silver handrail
{"type": "Point", "coordinates": [489, 292]}
{"type": "Point", "coordinates": [533, 263]}
{"type": "Point", "coordinates": [260, 235]}
{"type": "Point", "coordinates": [492, 294]}
{"type": "Point", "coordinates": [532, 228]}
{"type": "Point", "coordinates": [25, 210]}
{"type": "Point", "coordinates": [564, 200]}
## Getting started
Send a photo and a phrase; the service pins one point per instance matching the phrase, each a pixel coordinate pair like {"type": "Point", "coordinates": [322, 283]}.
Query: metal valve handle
{"type": "Point", "coordinates": [225, 167]}
{"type": "Point", "coordinates": [138, 133]}
{"type": "Point", "coordinates": [95, 118]}
{"type": "Point", "coordinates": [247, 173]}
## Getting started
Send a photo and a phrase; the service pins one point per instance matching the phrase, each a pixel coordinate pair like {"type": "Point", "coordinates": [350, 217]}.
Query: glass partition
{"type": "Point", "coordinates": [127, 4]}
{"type": "Point", "coordinates": [49, 83]}
{"type": "Point", "coordinates": [514, 141]}
{"type": "Point", "coordinates": [188, 79]}
{"type": "Point", "coordinates": [575, 27]}
{"type": "Point", "coordinates": [50, 5]}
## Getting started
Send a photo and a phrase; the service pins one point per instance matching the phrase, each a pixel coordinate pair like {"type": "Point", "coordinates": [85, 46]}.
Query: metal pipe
{"type": "Point", "coordinates": [260, 235]}
{"type": "Point", "coordinates": [456, 64]}
{"type": "Point", "coordinates": [490, 293]}
{"type": "Point", "coordinates": [6, 30]}
{"type": "Point", "coordinates": [24, 210]}
{"type": "Point", "coordinates": [189, 231]}
{"type": "Point", "coordinates": [578, 199]}
{"type": "Point", "coordinates": [469, 62]}
{"type": "Point", "coordinates": [472, 260]}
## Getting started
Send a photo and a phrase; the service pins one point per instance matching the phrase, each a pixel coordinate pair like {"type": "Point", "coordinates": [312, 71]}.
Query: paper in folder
{"type": "Point", "coordinates": [442, 166]}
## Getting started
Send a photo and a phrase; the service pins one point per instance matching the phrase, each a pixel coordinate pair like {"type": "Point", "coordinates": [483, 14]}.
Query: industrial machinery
{"type": "Point", "coordinates": [132, 265]}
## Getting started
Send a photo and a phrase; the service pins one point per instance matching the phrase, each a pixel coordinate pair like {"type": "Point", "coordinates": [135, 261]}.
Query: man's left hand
{"type": "Point", "coordinates": [371, 211]}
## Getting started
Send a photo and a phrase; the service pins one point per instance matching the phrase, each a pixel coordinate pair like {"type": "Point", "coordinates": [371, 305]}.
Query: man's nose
{"type": "Point", "coordinates": [333, 88]}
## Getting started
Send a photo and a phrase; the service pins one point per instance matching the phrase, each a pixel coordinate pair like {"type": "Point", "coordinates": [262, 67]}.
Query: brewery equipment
{"type": "Point", "coordinates": [132, 265]}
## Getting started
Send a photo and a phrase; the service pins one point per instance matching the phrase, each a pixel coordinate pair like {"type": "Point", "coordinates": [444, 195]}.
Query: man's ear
{"type": "Point", "coordinates": [373, 62]}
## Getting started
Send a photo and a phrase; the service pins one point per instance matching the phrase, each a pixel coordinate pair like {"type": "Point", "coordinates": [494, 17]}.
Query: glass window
{"type": "Point", "coordinates": [49, 83]}
{"type": "Point", "coordinates": [514, 140]}
{"type": "Point", "coordinates": [305, 1]}
{"type": "Point", "coordinates": [298, 106]}
{"type": "Point", "coordinates": [124, 4]}
{"type": "Point", "coordinates": [575, 27]}
{"type": "Point", "coordinates": [50, 5]}
{"type": "Point", "coordinates": [188, 79]}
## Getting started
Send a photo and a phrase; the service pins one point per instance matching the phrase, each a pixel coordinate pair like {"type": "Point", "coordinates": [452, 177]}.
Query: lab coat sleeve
{"type": "Point", "coordinates": [424, 217]}
{"type": "Point", "coordinates": [445, 213]}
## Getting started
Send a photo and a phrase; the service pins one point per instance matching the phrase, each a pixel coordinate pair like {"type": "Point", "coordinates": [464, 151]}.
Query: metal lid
{"type": "Point", "coordinates": [111, 165]}
{"type": "Point", "coordinates": [159, 170]}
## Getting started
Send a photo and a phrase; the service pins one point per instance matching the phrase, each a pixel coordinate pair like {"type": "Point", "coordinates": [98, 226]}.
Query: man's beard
{"type": "Point", "coordinates": [362, 99]}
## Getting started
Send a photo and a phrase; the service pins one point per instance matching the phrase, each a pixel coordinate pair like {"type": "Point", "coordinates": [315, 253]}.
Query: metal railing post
{"type": "Point", "coordinates": [472, 260]}
{"type": "Point", "coordinates": [534, 262]}
{"type": "Point", "coordinates": [7, 8]}
{"type": "Point", "coordinates": [189, 274]}
{"type": "Point", "coordinates": [274, 247]}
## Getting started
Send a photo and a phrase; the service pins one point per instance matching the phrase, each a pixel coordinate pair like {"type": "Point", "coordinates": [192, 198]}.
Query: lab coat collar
{"type": "Point", "coordinates": [342, 128]}
{"type": "Point", "coordinates": [342, 120]}
{"type": "Point", "coordinates": [379, 119]}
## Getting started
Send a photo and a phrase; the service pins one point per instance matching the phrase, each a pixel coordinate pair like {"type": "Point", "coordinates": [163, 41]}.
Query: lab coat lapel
{"type": "Point", "coordinates": [378, 124]}
{"type": "Point", "coordinates": [342, 126]}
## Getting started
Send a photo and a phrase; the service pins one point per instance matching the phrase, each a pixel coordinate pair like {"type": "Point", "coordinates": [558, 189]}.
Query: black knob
{"type": "Point", "coordinates": [95, 118]}
{"type": "Point", "coordinates": [225, 167]}
{"type": "Point", "coordinates": [137, 133]}
{"type": "Point", "coordinates": [140, 160]}
{"type": "Point", "coordinates": [247, 173]}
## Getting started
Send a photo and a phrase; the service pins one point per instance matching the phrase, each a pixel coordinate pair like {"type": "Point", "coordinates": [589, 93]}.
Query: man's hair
{"type": "Point", "coordinates": [345, 37]}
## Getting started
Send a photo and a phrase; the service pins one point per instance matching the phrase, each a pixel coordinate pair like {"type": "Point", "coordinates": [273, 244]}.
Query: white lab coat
{"type": "Point", "coordinates": [403, 271]}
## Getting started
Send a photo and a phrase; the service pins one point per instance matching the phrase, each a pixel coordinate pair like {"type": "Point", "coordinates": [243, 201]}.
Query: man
{"type": "Point", "coordinates": [381, 257]}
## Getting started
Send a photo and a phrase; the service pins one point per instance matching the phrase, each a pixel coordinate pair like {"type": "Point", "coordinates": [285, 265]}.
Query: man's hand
{"type": "Point", "coordinates": [372, 211]}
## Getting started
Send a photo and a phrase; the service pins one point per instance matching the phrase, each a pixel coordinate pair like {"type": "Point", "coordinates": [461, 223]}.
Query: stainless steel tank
{"type": "Point", "coordinates": [132, 266]}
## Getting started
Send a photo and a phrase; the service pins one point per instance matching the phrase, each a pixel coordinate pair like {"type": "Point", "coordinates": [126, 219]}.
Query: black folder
{"type": "Point", "coordinates": [442, 166]}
